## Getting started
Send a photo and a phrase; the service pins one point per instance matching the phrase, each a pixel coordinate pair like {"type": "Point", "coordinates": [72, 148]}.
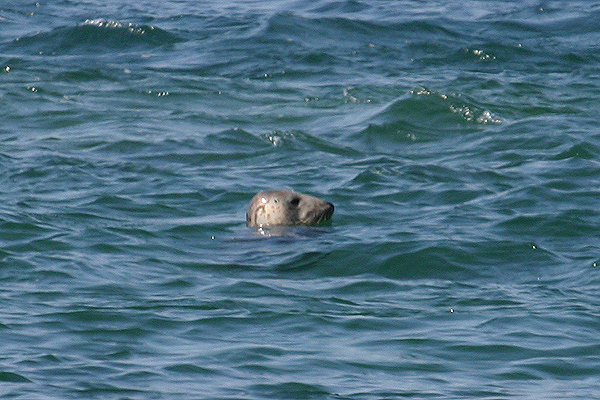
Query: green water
{"type": "Point", "coordinates": [458, 142]}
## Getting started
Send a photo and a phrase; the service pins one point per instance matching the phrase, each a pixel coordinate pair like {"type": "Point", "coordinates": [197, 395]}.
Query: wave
{"type": "Point", "coordinates": [95, 35]}
{"type": "Point", "coordinates": [422, 115]}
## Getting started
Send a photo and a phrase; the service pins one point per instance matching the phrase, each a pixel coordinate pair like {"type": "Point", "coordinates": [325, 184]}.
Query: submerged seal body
{"type": "Point", "coordinates": [287, 207]}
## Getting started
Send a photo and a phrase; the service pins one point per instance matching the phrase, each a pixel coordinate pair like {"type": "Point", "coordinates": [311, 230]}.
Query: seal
{"type": "Point", "coordinates": [287, 207]}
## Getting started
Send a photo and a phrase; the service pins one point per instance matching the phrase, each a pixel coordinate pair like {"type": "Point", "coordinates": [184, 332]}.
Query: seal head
{"type": "Point", "coordinates": [286, 207]}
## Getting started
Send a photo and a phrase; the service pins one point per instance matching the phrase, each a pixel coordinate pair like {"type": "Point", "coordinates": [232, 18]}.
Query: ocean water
{"type": "Point", "coordinates": [459, 142]}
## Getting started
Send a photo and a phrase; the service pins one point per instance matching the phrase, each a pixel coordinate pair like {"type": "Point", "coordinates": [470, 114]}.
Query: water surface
{"type": "Point", "coordinates": [459, 143]}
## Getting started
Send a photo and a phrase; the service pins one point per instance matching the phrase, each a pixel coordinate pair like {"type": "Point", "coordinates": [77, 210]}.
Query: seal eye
{"type": "Point", "coordinates": [295, 201]}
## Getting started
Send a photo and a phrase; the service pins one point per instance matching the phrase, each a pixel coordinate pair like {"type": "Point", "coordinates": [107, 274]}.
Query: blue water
{"type": "Point", "coordinates": [459, 142]}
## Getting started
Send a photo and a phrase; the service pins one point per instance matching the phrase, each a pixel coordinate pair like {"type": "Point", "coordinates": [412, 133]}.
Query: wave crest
{"type": "Point", "coordinates": [93, 36]}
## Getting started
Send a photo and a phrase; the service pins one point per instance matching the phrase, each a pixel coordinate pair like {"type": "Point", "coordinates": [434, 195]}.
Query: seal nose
{"type": "Point", "coordinates": [330, 209]}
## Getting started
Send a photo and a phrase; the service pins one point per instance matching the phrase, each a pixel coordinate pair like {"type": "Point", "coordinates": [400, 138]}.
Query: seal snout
{"type": "Point", "coordinates": [329, 209]}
